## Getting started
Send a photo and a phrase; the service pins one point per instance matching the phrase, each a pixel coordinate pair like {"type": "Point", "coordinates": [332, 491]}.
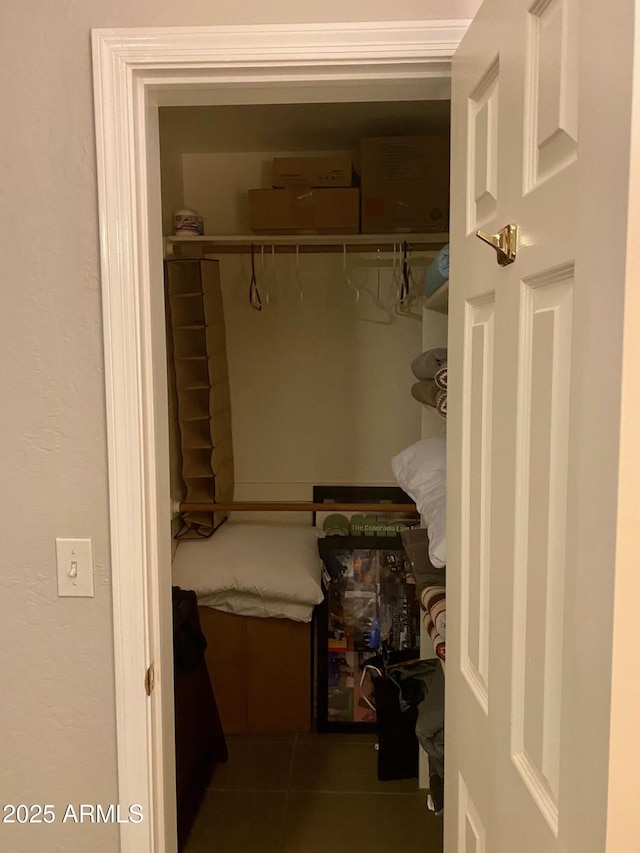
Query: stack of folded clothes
{"type": "Point", "coordinates": [434, 603]}
{"type": "Point", "coordinates": [437, 272]}
{"type": "Point", "coordinates": [430, 369]}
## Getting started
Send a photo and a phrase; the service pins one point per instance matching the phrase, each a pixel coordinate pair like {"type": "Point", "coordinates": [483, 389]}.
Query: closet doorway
{"type": "Point", "coordinates": [221, 66]}
{"type": "Point", "coordinates": [310, 379]}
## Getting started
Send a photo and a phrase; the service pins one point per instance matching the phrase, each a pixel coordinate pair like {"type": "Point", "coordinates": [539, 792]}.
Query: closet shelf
{"type": "Point", "coordinates": [439, 301]}
{"type": "Point", "coordinates": [238, 244]}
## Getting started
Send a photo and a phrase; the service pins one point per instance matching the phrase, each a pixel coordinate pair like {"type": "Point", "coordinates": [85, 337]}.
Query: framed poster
{"type": "Point", "coordinates": [355, 523]}
{"type": "Point", "coordinates": [370, 605]}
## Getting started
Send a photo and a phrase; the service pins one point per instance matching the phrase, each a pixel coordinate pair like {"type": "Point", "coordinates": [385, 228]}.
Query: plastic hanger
{"type": "Point", "coordinates": [407, 287]}
{"type": "Point", "coordinates": [254, 293]}
{"type": "Point", "coordinates": [299, 293]}
{"type": "Point", "coordinates": [355, 291]}
{"type": "Point", "coordinates": [271, 296]}
{"type": "Point", "coordinates": [389, 316]}
{"type": "Point", "coordinates": [378, 301]}
{"type": "Point", "coordinates": [337, 294]}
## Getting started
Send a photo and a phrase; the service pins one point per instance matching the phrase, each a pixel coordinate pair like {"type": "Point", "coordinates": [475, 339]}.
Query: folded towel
{"type": "Point", "coordinates": [426, 365]}
{"type": "Point", "coordinates": [437, 272]}
{"type": "Point", "coordinates": [415, 541]}
{"type": "Point", "coordinates": [441, 377]}
{"type": "Point", "coordinates": [427, 392]}
{"type": "Point", "coordinates": [434, 602]}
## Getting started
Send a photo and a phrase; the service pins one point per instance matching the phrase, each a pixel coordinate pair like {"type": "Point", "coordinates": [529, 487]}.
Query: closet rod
{"type": "Point", "coordinates": [197, 250]}
{"type": "Point", "coordinates": [298, 506]}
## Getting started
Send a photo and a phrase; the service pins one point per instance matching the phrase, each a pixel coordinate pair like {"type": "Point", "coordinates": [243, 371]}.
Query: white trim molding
{"type": "Point", "coordinates": [307, 45]}
{"type": "Point", "coordinates": [134, 71]}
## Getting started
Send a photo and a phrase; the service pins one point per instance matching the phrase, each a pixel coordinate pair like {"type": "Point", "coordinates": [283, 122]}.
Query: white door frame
{"type": "Point", "coordinates": [135, 71]}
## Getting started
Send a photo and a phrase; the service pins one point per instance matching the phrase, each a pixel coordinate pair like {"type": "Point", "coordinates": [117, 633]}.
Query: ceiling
{"type": "Point", "coordinates": [297, 127]}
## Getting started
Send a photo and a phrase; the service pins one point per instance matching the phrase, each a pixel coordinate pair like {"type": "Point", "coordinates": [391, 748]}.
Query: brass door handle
{"type": "Point", "coordinates": [505, 242]}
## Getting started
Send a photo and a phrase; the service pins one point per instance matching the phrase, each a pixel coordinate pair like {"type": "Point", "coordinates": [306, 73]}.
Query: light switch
{"type": "Point", "coordinates": [74, 559]}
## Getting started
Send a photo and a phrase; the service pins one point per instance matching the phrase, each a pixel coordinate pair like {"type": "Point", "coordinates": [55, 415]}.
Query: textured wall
{"type": "Point", "coordinates": [57, 716]}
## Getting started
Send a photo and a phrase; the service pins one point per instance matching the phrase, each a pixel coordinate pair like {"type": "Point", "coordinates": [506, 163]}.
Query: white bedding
{"type": "Point", "coordinates": [266, 570]}
{"type": "Point", "coordinates": [421, 470]}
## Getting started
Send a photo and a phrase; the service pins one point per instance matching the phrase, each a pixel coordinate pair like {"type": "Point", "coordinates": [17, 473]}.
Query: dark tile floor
{"type": "Point", "coordinates": [310, 793]}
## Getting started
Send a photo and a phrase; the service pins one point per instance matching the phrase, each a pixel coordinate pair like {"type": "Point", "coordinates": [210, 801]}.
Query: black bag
{"type": "Point", "coordinates": [189, 643]}
{"type": "Point", "coordinates": [396, 719]}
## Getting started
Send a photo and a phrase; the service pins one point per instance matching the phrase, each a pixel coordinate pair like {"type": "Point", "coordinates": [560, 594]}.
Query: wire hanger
{"type": "Point", "coordinates": [254, 293]}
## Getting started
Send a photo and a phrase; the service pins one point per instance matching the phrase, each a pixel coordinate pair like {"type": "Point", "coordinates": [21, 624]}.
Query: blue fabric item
{"type": "Point", "coordinates": [437, 272]}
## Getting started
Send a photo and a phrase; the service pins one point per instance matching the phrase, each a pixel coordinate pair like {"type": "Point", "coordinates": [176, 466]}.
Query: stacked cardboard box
{"type": "Point", "coordinates": [310, 195]}
{"type": "Point", "coordinates": [319, 211]}
{"type": "Point", "coordinates": [334, 170]}
{"type": "Point", "coordinates": [404, 189]}
{"type": "Point", "coordinates": [405, 184]}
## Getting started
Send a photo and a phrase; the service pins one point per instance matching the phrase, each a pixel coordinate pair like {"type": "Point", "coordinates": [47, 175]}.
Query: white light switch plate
{"type": "Point", "coordinates": [74, 559]}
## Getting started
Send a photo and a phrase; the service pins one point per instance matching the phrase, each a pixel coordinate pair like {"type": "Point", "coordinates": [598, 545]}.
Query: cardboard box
{"type": "Point", "coordinates": [317, 211]}
{"type": "Point", "coordinates": [405, 184]}
{"type": "Point", "coordinates": [260, 671]}
{"type": "Point", "coordinates": [329, 171]}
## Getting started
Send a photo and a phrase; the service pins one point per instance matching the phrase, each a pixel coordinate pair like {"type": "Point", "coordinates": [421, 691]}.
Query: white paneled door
{"type": "Point", "coordinates": [541, 124]}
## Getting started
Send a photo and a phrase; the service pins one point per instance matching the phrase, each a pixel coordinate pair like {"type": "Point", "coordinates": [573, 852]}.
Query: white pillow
{"type": "Point", "coordinates": [421, 470]}
{"type": "Point", "coordinates": [273, 564]}
{"type": "Point", "coordinates": [245, 604]}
